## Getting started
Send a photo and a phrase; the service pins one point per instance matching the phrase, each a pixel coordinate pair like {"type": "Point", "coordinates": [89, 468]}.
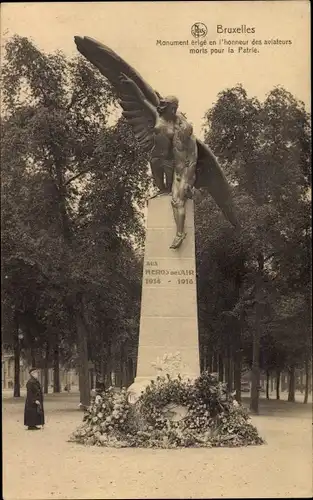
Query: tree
{"type": "Point", "coordinates": [73, 187]}
{"type": "Point", "coordinates": [265, 150]}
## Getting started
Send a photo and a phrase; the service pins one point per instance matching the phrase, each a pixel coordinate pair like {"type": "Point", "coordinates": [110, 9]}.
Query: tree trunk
{"type": "Point", "coordinates": [32, 357]}
{"type": "Point", "coordinates": [202, 351]}
{"type": "Point", "coordinates": [230, 372]}
{"type": "Point", "coordinates": [301, 380]}
{"type": "Point", "coordinates": [56, 370]}
{"type": "Point", "coordinates": [214, 362]}
{"type": "Point", "coordinates": [117, 370]}
{"type": "Point", "coordinates": [83, 373]}
{"type": "Point", "coordinates": [108, 368]}
{"type": "Point", "coordinates": [291, 389]}
{"type": "Point", "coordinates": [283, 381]}
{"type": "Point", "coordinates": [255, 372]}
{"type": "Point", "coordinates": [102, 369]}
{"type": "Point", "coordinates": [124, 374]}
{"type": "Point", "coordinates": [226, 371]}
{"type": "Point", "coordinates": [130, 371]}
{"type": "Point", "coordinates": [17, 383]}
{"type": "Point", "coordinates": [220, 369]}
{"type": "Point", "coordinates": [229, 367]}
{"type": "Point", "coordinates": [278, 384]}
{"type": "Point", "coordinates": [90, 378]}
{"type": "Point", "coordinates": [307, 378]}
{"type": "Point", "coordinates": [108, 376]}
{"type": "Point", "coordinates": [237, 374]}
{"type": "Point", "coordinates": [267, 384]}
{"type": "Point", "coordinates": [206, 359]}
{"type": "Point", "coordinates": [46, 370]}
{"type": "Point", "coordinates": [209, 363]}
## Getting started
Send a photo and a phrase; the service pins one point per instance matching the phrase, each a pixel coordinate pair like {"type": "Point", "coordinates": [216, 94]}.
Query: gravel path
{"type": "Point", "coordinates": [43, 465]}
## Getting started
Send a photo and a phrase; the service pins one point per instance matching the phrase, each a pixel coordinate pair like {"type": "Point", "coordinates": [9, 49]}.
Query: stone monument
{"type": "Point", "coordinates": [180, 163]}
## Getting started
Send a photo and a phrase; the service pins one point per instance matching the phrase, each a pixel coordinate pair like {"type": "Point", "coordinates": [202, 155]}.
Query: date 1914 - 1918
{"type": "Point", "coordinates": [167, 277]}
{"type": "Point", "coordinates": [179, 281]}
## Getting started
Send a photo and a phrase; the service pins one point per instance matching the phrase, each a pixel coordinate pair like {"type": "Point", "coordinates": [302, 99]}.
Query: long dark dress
{"type": "Point", "coordinates": [34, 414]}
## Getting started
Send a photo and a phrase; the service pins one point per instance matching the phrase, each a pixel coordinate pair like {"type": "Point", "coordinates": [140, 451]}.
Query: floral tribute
{"type": "Point", "coordinates": [170, 413]}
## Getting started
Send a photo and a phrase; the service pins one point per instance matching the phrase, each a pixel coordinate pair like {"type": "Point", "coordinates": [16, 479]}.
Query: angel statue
{"type": "Point", "coordinates": [179, 162]}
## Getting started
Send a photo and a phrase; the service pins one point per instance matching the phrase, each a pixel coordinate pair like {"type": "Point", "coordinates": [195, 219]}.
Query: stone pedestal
{"type": "Point", "coordinates": [169, 319]}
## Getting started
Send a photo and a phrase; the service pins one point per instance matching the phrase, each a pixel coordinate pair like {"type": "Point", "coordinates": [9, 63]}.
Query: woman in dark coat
{"type": "Point", "coordinates": [34, 412]}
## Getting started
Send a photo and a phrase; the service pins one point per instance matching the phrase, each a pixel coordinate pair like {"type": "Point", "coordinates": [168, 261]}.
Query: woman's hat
{"type": "Point", "coordinates": [33, 370]}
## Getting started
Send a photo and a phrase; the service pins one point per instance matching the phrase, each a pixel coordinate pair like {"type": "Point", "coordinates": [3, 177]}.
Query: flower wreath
{"type": "Point", "coordinates": [168, 402]}
{"type": "Point", "coordinates": [171, 412]}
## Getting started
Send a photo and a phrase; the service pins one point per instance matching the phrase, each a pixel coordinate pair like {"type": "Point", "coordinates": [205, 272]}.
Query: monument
{"type": "Point", "coordinates": [180, 163]}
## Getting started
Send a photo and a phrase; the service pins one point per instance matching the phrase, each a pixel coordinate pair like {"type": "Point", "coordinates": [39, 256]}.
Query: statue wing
{"type": "Point", "coordinates": [132, 90]}
{"type": "Point", "coordinates": [129, 86]}
{"type": "Point", "coordinates": [209, 175]}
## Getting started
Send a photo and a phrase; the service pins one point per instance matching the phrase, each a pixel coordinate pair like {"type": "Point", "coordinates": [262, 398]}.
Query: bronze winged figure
{"type": "Point", "coordinates": [179, 161]}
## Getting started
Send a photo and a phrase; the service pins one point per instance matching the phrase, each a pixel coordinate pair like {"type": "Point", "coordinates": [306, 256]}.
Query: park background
{"type": "Point", "coordinates": [70, 231]}
{"type": "Point", "coordinates": [74, 186]}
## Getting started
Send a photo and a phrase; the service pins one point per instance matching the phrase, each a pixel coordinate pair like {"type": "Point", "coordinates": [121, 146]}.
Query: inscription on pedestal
{"type": "Point", "coordinates": [155, 273]}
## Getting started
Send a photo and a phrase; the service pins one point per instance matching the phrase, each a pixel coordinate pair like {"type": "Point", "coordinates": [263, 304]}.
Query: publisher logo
{"type": "Point", "coordinates": [199, 30]}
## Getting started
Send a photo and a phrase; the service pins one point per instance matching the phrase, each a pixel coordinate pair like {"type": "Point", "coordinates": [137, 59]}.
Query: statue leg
{"type": "Point", "coordinates": [183, 183]}
{"type": "Point", "coordinates": [157, 169]}
{"type": "Point", "coordinates": [179, 211]}
{"type": "Point", "coordinates": [169, 172]}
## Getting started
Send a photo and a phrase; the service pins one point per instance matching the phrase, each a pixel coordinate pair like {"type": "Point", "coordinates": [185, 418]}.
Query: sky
{"type": "Point", "coordinates": [132, 29]}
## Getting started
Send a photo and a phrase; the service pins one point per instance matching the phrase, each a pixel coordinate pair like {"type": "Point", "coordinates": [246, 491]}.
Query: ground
{"type": "Point", "coordinates": [43, 465]}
